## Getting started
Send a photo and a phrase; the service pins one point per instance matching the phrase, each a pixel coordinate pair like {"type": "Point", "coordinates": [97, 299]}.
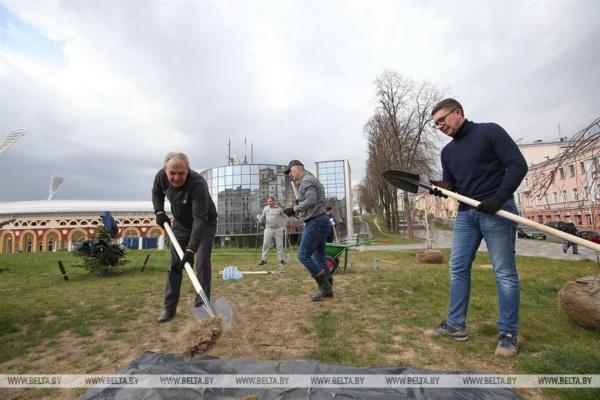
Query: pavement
{"type": "Point", "coordinates": [442, 239]}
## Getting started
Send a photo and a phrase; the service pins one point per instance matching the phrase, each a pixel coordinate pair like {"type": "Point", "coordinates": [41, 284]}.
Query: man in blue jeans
{"type": "Point", "coordinates": [310, 209]}
{"type": "Point", "coordinates": [484, 163]}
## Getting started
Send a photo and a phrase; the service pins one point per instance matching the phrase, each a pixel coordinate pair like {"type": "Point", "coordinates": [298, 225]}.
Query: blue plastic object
{"type": "Point", "coordinates": [231, 273]}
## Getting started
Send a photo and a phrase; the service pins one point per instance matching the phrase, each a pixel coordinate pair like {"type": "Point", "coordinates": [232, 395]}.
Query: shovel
{"type": "Point", "coordinates": [220, 308]}
{"type": "Point", "coordinates": [232, 273]}
{"type": "Point", "coordinates": [411, 182]}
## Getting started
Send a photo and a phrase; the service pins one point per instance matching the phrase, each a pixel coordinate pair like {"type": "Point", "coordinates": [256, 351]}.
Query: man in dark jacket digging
{"type": "Point", "coordinates": [194, 225]}
{"type": "Point", "coordinates": [484, 163]}
{"type": "Point", "coordinates": [310, 209]}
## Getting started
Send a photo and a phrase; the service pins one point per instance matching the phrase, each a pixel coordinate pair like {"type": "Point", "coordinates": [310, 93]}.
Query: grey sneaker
{"type": "Point", "coordinates": [281, 263]}
{"type": "Point", "coordinates": [262, 262]}
{"type": "Point", "coordinates": [507, 345]}
{"type": "Point", "coordinates": [446, 330]}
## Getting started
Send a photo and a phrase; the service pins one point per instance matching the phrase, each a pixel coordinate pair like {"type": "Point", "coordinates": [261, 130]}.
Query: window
{"type": "Point", "coordinates": [582, 167]}
{"type": "Point", "coordinates": [555, 197]}
{"type": "Point", "coordinates": [565, 196]}
{"type": "Point", "coordinates": [575, 194]}
{"type": "Point", "coordinates": [561, 172]}
{"type": "Point", "coordinates": [578, 220]}
{"type": "Point", "coordinates": [571, 170]}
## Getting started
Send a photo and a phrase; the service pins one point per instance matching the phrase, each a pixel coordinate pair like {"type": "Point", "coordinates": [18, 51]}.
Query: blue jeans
{"type": "Point", "coordinates": [499, 234]}
{"type": "Point", "coordinates": [311, 252]}
{"type": "Point", "coordinates": [202, 268]}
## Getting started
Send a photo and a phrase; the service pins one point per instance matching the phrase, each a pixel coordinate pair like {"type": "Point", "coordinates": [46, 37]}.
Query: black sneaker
{"type": "Point", "coordinates": [262, 262]}
{"type": "Point", "coordinates": [507, 345]}
{"type": "Point", "coordinates": [281, 263]}
{"type": "Point", "coordinates": [446, 330]}
{"type": "Point", "coordinates": [165, 315]}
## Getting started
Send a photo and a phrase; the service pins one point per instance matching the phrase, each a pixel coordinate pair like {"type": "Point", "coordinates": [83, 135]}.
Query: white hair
{"type": "Point", "coordinates": [179, 156]}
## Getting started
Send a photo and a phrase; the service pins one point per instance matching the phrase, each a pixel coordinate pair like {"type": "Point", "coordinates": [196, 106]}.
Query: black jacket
{"type": "Point", "coordinates": [191, 204]}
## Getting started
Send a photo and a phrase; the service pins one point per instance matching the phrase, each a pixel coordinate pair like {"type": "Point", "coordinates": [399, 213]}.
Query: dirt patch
{"type": "Point", "coordinates": [268, 331]}
{"type": "Point", "coordinates": [202, 336]}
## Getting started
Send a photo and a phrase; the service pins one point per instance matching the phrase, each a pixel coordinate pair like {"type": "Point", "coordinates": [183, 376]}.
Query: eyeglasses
{"type": "Point", "coordinates": [442, 120]}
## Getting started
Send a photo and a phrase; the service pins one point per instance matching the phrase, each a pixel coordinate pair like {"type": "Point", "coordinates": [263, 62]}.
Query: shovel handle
{"type": "Point", "coordinates": [255, 272]}
{"type": "Point", "coordinates": [190, 271]}
{"type": "Point", "coordinates": [524, 221]}
{"type": "Point", "coordinates": [294, 189]}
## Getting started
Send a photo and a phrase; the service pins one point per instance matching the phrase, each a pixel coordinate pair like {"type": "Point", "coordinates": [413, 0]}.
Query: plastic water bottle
{"type": "Point", "coordinates": [231, 273]}
{"type": "Point", "coordinates": [374, 267]}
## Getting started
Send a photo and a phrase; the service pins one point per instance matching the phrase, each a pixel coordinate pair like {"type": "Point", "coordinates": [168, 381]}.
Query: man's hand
{"type": "Point", "coordinates": [289, 211]}
{"type": "Point", "coordinates": [161, 218]}
{"type": "Point", "coordinates": [490, 205]}
{"type": "Point", "coordinates": [438, 192]}
{"type": "Point", "coordinates": [188, 256]}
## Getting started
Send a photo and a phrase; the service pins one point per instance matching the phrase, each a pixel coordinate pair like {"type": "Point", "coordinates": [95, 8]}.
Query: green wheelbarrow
{"type": "Point", "coordinates": [333, 252]}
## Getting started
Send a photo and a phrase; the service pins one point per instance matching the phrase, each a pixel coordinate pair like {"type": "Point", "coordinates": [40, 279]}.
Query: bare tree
{"type": "Point", "coordinates": [581, 156]}
{"type": "Point", "coordinates": [400, 136]}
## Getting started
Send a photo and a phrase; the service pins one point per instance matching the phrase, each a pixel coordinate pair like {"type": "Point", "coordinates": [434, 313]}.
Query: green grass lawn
{"type": "Point", "coordinates": [383, 234]}
{"type": "Point", "coordinates": [95, 325]}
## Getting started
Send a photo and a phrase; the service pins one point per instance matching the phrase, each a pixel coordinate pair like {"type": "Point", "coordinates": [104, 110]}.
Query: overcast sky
{"type": "Point", "coordinates": [107, 88]}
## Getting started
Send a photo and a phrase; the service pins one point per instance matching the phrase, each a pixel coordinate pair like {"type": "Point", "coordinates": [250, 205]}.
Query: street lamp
{"type": "Point", "coordinates": [11, 138]}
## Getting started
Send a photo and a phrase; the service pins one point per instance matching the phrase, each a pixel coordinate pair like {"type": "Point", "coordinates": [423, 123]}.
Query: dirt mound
{"type": "Point", "coordinates": [580, 299]}
{"type": "Point", "coordinates": [202, 336]}
{"type": "Point", "coordinates": [430, 257]}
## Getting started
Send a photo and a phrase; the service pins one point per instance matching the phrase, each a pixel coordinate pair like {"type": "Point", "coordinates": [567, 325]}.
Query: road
{"type": "Point", "coordinates": [525, 247]}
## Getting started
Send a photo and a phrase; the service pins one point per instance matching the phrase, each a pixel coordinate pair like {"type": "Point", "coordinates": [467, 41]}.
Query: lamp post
{"type": "Point", "coordinates": [11, 138]}
{"type": "Point", "coordinates": [55, 182]}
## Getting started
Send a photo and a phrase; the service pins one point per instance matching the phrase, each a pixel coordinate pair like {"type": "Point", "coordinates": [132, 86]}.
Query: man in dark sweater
{"type": "Point", "coordinates": [194, 225]}
{"type": "Point", "coordinates": [484, 163]}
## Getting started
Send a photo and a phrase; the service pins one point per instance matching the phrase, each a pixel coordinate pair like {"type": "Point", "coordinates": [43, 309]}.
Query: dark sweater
{"type": "Point", "coordinates": [482, 161]}
{"type": "Point", "coordinates": [191, 203]}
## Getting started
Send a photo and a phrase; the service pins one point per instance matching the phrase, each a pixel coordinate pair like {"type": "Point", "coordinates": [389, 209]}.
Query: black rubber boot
{"type": "Point", "coordinates": [325, 290]}
{"type": "Point", "coordinates": [330, 279]}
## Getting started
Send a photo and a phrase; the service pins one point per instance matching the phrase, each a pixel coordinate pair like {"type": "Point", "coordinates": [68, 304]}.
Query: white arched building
{"type": "Point", "coordinates": [51, 225]}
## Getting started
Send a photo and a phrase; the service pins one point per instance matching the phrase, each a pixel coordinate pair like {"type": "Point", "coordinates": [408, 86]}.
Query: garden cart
{"type": "Point", "coordinates": [333, 252]}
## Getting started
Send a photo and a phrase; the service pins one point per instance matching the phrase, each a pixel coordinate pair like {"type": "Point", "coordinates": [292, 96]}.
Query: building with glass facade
{"type": "Point", "coordinates": [240, 193]}
{"type": "Point", "coordinates": [335, 178]}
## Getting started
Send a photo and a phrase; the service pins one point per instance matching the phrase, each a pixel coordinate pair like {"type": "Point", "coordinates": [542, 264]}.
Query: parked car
{"type": "Point", "coordinates": [529, 233]}
{"type": "Point", "coordinates": [590, 235]}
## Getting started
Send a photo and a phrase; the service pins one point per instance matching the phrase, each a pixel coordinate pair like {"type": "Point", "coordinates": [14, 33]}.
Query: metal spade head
{"type": "Point", "coordinates": [402, 180]}
{"type": "Point", "coordinates": [222, 309]}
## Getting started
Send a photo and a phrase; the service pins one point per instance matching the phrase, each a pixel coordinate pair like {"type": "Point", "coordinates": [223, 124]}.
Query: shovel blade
{"type": "Point", "coordinates": [222, 310]}
{"type": "Point", "coordinates": [402, 180]}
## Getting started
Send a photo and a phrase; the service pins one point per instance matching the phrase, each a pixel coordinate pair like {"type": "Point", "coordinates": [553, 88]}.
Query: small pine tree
{"type": "Point", "coordinates": [100, 256]}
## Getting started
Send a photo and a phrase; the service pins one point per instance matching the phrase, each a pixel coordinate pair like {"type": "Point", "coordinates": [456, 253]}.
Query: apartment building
{"type": "Point", "coordinates": [562, 188]}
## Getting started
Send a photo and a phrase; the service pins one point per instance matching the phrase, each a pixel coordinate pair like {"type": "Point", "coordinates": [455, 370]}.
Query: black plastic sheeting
{"type": "Point", "coordinates": [151, 363]}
